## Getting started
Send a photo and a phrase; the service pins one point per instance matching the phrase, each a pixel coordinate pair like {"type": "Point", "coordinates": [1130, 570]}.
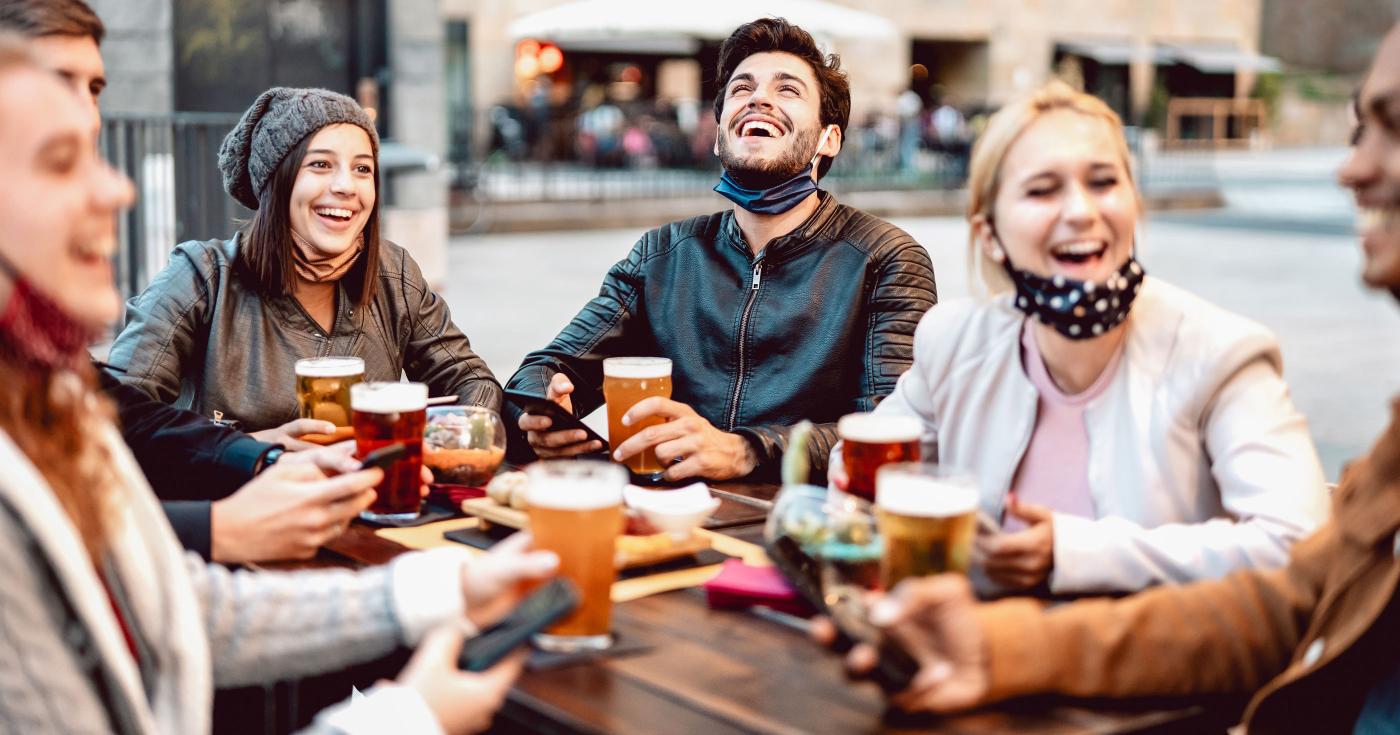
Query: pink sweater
{"type": "Point", "coordinates": [1054, 471]}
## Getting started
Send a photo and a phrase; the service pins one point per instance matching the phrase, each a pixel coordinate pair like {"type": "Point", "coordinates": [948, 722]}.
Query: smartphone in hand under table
{"type": "Point", "coordinates": [541, 609]}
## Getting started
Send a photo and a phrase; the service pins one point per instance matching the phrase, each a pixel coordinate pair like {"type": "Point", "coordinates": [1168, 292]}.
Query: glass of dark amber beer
{"type": "Point", "coordinates": [392, 413]}
{"type": "Point", "coordinates": [626, 381]}
{"type": "Point", "coordinates": [575, 509]}
{"type": "Point", "coordinates": [928, 519]}
{"type": "Point", "coordinates": [870, 441]}
{"type": "Point", "coordinates": [323, 390]}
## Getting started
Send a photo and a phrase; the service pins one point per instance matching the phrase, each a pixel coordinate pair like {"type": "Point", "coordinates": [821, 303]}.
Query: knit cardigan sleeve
{"type": "Point", "coordinates": [49, 672]}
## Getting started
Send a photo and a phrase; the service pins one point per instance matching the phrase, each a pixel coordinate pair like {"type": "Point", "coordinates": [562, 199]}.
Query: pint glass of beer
{"type": "Point", "coordinates": [626, 381]}
{"type": "Point", "coordinates": [392, 413]}
{"type": "Point", "coordinates": [869, 441]}
{"type": "Point", "coordinates": [323, 390]}
{"type": "Point", "coordinates": [928, 518]}
{"type": "Point", "coordinates": [575, 509]}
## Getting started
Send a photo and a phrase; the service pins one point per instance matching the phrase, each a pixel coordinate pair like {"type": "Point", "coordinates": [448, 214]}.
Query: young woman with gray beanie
{"type": "Point", "coordinates": [221, 327]}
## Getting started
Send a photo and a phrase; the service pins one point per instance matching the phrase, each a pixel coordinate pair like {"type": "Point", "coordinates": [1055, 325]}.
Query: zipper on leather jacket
{"type": "Point", "coordinates": [743, 338]}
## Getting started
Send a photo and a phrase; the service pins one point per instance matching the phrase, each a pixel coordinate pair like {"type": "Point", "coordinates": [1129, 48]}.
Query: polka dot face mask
{"type": "Point", "coordinates": [1077, 309]}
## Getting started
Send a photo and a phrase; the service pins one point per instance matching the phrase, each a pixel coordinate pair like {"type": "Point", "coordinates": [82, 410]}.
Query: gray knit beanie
{"type": "Point", "coordinates": [272, 127]}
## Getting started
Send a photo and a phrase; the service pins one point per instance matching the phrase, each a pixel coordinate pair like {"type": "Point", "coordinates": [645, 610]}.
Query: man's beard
{"type": "Point", "coordinates": [766, 174]}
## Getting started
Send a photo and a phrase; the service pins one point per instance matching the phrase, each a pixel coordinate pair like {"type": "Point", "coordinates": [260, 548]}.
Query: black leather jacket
{"type": "Point", "coordinates": [820, 324]}
{"type": "Point", "coordinates": [200, 337]}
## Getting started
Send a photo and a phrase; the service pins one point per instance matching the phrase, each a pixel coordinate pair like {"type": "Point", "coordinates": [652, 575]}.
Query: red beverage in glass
{"type": "Point", "coordinates": [870, 441]}
{"type": "Point", "coordinates": [392, 413]}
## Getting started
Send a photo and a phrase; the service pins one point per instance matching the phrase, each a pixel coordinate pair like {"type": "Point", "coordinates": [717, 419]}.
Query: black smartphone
{"type": "Point", "coordinates": [541, 406]}
{"type": "Point", "coordinates": [541, 609]}
{"type": "Point", "coordinates": [383, 456]}
{"type": "Point", "coordinates": [895, 668]}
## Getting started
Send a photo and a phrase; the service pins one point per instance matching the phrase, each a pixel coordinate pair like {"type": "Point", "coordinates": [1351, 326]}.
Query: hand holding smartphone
{"type": "Point", "coordinates": [895, 669]}
{"type": "Point", "coordinates": [541, 609]}
{"type": "Point", "coordinates": [561, 419]}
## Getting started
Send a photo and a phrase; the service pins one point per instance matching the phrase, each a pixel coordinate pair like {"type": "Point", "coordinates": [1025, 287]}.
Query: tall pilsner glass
{"type": "Point", "coordinates": [323, 390]}
{"type": "Point", "coordinates": [626, 381]}
{"type": "Point", "coordinates": [392, 413]}
{"type": "Point", "coordinates": [928, 519]}
{"type": "Point", "coordinates": [576, 512]}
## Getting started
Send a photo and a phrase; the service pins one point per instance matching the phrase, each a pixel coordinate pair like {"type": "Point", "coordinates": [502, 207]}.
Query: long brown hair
{"type": "Point", "coordinates": [265, 248]}
{"type": "Point", "coordinates": [54, 418]}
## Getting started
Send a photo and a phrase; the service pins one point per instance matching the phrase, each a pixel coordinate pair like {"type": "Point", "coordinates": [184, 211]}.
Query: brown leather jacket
{"type": "Point", "coordinates": [1310, 640]}
{"type": "Point", "coordinates": [202, 338]}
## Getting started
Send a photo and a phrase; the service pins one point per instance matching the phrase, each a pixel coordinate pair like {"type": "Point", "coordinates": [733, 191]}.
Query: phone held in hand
{"type": "Point", "coordinates": [541, 609]}
{"type": "Point", "coordinates": [895, 669]}
{"type": "Point", "coordinates": [562, 419]}
{"type": "Point", "coordinates": [383, 456]}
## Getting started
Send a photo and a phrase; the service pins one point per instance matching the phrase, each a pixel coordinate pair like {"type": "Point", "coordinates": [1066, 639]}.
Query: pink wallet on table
{"type": "Point", "coordinates": [741, 585]}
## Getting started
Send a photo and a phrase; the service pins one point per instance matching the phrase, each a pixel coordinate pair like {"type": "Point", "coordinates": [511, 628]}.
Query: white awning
{"type": "Point", "coordinates": [1213, 59]}
{"type": "Point", "coordinates": [596, 22]}
{"type": "Point", "coordinates": [1105, 52]}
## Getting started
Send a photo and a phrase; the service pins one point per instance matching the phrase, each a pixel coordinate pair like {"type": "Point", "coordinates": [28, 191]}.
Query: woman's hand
{"type": "Point", "coordinates": [491, 583]}
{"type": "Point", "coordinates": [462, 701]}
{"type": "Point", "coordinates": [1023, 559]}
{"type": "Point", "coordinates": [287, 512]}
{"type": "Point", "coordinates": [287, 434]}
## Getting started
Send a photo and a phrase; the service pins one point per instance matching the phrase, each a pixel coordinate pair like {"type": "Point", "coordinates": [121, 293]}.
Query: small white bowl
{"type": "Point", "coordinates": [676, 513]}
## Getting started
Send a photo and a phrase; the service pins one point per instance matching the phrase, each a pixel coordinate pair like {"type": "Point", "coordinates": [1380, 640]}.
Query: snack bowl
{"type": "Point", "coordinates": [677, 513]}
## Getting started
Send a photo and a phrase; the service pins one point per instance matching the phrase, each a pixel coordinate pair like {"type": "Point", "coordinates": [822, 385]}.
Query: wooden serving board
{"type": "Point", "coordinates": [632, 551]}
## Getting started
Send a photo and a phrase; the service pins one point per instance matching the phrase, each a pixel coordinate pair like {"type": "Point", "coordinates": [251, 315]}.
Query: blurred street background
{"type": "Point", "coordinates": [528, 143]}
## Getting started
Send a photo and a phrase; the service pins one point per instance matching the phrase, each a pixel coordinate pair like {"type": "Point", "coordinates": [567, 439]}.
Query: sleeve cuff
{"type": "Point", "coordinates": [243, 454]}
{"type": "Point", "coordinates": [190, 520]}
{"type": "Point", "coordinates": [385, 708]}
{"type": "Point", "coordinates": [427, 591]}
{"type": "Point", "coordinates": [1079, 555]}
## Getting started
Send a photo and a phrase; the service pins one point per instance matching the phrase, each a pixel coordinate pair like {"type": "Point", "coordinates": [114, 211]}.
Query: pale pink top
{"type": "Point", "coordinates": [1054, 471]}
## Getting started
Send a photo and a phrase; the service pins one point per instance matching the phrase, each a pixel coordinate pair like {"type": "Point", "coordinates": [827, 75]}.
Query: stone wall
{"type": "Point", "coordinates": [139, 55]}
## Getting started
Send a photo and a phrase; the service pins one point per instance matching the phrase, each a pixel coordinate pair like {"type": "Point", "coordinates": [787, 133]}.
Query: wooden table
{"type": "Point", "coordinates": [722, 671]}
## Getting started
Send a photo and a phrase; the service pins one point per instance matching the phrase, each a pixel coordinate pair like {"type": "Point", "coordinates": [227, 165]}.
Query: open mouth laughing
{"type": "Point", "coordinates": [759, 126]}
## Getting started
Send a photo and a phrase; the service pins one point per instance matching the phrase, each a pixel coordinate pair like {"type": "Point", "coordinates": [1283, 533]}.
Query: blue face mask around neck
{"type": "Point", "coordinates": [774, 199]}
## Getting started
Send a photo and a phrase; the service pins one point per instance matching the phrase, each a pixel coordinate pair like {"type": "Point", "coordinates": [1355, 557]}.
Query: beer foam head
{"type": "Point", "coordinates": [637, 368]}
{"type": "Point", "coordinates": [330, 367]}
{"type": "Point", "coordinates": [388, 397]}
{"type": "Point", "coordinates": [924, 496]}
{"type": "Point", "coordinates": [574, 484]}
{"type": "Point", "coordinates": [871, 428]}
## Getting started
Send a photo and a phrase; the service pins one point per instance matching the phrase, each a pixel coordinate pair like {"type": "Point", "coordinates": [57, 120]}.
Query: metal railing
{"type": "Point", "coordinates": [173, 161]}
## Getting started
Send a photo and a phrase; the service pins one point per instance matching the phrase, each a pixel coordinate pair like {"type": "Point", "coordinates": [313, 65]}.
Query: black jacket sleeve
{"type": "Point", "coordinates": [600, 330]}
{"type": "Point", "coordinates": [184, 456]}
{"type": "Point", "coordinates": [190, 519]}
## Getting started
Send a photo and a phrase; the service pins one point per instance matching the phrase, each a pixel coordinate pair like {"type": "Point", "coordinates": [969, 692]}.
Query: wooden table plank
{"type": "Point", "coordinates": [721, 671]}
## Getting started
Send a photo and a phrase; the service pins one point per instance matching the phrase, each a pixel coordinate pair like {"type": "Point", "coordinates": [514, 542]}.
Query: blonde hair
{"type": "Point", "coordinates": [1003, 129]}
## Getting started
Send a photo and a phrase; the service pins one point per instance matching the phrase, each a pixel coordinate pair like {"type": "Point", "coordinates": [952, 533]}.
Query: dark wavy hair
{"type": "Point", "coordinates": [776, 34]}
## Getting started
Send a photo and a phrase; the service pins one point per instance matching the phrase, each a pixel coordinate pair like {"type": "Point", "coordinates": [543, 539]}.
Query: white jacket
{"type": "Point", "coordinates": [200, 625]}
{"type": "Point", "coordinates": [1199, 463]}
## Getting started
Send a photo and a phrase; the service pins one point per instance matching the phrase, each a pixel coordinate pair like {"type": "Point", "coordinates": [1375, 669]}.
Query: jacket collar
{"type": "Point", "coordinates": [784, 246]}
{"type": "Point", "coordinates": [1370, 490]}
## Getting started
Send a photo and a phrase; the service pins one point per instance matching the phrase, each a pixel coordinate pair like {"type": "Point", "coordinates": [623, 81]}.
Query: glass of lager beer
{"type": "Point", "coordinates": [575, 509]}
{"type": "Point", "coordinates": [869, 441]}
{"type": "Point", "coordinates": [626, 381]}
{"type": "Point", "coordinates": [323, 390]}
{"type": "Point", "coordinates": [928, 518]}
{"type": "Point", "coordinates": [392, 413]}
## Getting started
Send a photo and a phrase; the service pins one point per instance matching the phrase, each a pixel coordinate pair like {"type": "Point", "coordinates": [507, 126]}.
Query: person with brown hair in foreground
{"type": "Point", "coordinates": [1317, 642]}
{"type": "Point", "coordinates": [107, 625]}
